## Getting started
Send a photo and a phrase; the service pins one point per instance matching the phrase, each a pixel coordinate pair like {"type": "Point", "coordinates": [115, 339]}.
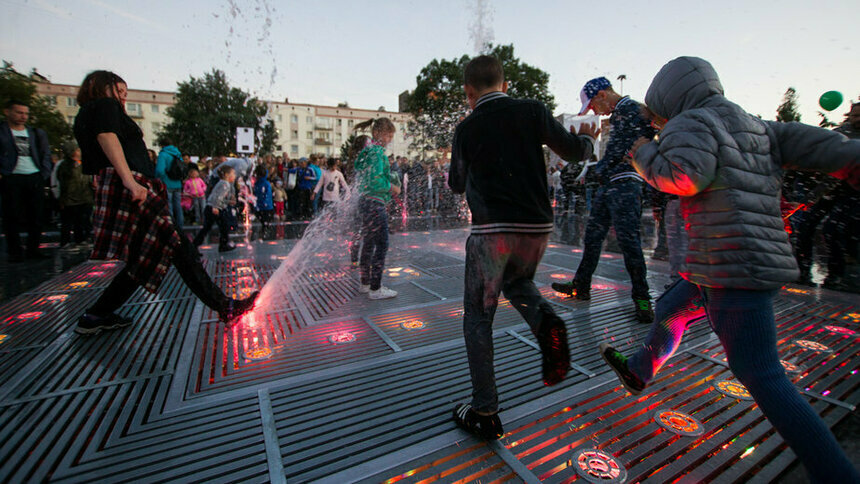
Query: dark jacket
{"type": "Point", "coordinates": [40, 151]}
{"type": "Point", "coordinates": [75, 187]}
{"type": "Point", "coordinates": [497, 159]}
{"type": "Point", "coordinates": [727, 166]}
{"type": "Point", "coordinates": [627, 125]}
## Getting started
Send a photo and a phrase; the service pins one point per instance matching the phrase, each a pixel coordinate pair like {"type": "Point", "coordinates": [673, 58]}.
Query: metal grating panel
{"type": "Point", "coordinates": [227, 360]}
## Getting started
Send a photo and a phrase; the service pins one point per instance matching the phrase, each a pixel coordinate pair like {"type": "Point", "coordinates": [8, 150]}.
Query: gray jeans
{"type": "Point", "coordinates": [676, 239]}
{"type": "Point", "coordinates": [498, 263]}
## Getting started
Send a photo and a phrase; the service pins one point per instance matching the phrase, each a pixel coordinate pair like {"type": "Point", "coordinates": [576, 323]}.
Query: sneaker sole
{"type": "Point", "coordinates": [632, 391]}
{"type": "Point", "coordinates": [99, 329]}
{"type": "Point", "coordinates": [377, 298]}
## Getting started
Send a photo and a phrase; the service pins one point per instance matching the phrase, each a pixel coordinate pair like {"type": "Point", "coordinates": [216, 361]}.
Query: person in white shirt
{"type": "Point", "coordinates": [331, 182]}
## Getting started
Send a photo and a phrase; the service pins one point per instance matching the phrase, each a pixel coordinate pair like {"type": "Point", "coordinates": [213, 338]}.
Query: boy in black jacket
{"type": "Point", "coordinates": [497, 159]}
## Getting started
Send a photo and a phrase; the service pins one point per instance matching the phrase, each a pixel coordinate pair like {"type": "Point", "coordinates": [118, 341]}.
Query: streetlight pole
{"type": "Point", "coordinates": [621, 79]}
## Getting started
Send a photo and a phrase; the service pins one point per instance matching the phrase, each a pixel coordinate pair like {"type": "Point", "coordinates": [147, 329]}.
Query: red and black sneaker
{"type": "Point", "coordinates": [555, 354]}
{"type": "Point", "coordinates": [487, 427]}
{"type": "Point", "coordinates": [573, 289]}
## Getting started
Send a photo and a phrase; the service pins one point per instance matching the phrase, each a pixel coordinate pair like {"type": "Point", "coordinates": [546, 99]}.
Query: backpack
{"type": "Point", "coordinates": [177, 170]}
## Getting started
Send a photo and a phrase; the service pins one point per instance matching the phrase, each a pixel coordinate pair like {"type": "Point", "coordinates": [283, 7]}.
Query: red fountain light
{"type": "Point", "coordinates": [30, 315]}
{"type": "Point", "coordinates": [812, 346]}
{"type": "Point", "coordinates": [597, 466]}
{"type": "Point", "coordinates": [95, 274]}
{"type": "Point", "coordinates": [733, 389]}
{"type": "Point", "coordinates": [3, 337]}
{"type": "Point", "coordinates": [412, 325]}
{"type": "Point", "coordinates": [559, 276]}
{"type": "Point", "coordinates": [78, 285]}
{"type": "Point", "coordinates": [341, 338]}
{"type": "Point", "coordinates": [840, 330]}
{"type": "Point", "coordinates": [789, 366]}
{"type": "Point", "coordinates": [679, 423]}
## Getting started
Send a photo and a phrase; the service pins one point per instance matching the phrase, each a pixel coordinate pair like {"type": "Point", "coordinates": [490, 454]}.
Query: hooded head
{"type": "Point", "coordinates": [683, 83]}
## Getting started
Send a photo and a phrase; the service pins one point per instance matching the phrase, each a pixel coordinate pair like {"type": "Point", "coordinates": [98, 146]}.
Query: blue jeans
{"type": "Point", "coordinates": [174, 199]}
{"type": "Point", "coordinates": [374, 230]}
{"type": "Point", "coordinates": [496, 263]}
{"type": "Point", "coordinates": [744, 322]}
{"type": "Point", "coordinates": [619, 204]}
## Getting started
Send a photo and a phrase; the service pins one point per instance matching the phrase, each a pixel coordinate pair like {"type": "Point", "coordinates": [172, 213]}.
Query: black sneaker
{"type": "Point", "coordinates": [90, 324]}
{"type": "Point", "coordinates": [573, 289]}
{"type": "Point", "coordinates": [235, 308]}
{"type": "Point", "coordinates": [644, 311]}
{"type": "Point", "coordinates": [618, 363]}
{"type": "Point", "coordinates": [555, 355]}
{"type": "Point", "coordinates": [487, 427]}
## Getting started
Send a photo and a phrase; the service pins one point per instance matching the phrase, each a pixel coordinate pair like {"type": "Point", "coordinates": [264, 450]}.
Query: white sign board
{"type": "Point", "coordinates": [244, 140]}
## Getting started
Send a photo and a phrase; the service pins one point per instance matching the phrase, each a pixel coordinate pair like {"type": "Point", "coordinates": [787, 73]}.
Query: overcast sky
{"type": "Point", "coordinates": [367, 52]}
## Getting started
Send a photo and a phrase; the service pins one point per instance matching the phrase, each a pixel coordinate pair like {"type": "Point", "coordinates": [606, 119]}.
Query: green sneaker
{"type": "Point", "coordinates": [618, 363]}
{"type": "Point", "coordinates": [644, 311]}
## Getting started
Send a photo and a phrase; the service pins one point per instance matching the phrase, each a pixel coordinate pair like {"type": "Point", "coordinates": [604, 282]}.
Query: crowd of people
{"type": "Point", "coordinates": [715, 173]}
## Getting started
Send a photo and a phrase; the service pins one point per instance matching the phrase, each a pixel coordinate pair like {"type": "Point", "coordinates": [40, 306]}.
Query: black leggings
{"type": "Point", "coordinates": [187, 262]}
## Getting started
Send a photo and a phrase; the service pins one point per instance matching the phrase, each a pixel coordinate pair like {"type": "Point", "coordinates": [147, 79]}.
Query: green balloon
{"type": "Point", "coordinates": [830, 100]}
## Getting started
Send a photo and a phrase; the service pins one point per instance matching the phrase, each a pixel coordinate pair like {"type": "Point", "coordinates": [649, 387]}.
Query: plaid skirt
{"type": "Point", "coordinates": [141, 235]}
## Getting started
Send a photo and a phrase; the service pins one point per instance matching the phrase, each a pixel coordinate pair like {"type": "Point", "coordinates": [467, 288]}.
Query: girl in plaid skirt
{"type": "Point", "coordinates": [132, 219]}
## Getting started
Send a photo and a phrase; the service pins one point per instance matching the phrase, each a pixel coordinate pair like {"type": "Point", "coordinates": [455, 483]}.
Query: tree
{"type": "Point", "coordinates": [787, 111]}
{"type": "Point", "coordinates": [43, 115]}
{"type": "Point", "coordinates": [438, 102]}
{"type": "Point", "coordinates": [207, 113]}
{"type": "Point", "coordinates": [825, 122]}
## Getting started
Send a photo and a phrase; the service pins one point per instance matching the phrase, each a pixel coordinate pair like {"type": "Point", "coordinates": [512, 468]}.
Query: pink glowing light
{"type": "Point", "coordinates": [108, 265]}
{"type": "Point", "coordinates": [95, 274]}
{"type": "Point", "coordinates": [576, 251]}
{"type": "Point", "coordinates": [57, 298]}
{"type": "Point", "coordinates": [414, 246]}
{"type": "Point", "coordinates": [840, 330]}
{"type": "Point", "coordinates": [341, 337]}
{"type": "Point", "coordinates": [30, 315]}
{"type": "Point", "coordinates": [559, 276]}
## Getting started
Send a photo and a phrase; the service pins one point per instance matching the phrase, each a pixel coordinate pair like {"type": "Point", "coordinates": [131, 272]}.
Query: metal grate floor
{"type": "Point", "coordinates": [332, 387]}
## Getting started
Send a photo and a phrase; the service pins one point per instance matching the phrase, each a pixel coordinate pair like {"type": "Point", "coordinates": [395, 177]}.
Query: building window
{"type": "Point", "coordinates": [132, 108]}
{"type": "Point", "coordinates": [295, 134]}
{"type": "Point", "coordinates": [339, 123]}
{"type": "Point", "coordinates": [70, 119]}
{"type": "Point", "coordinates": [294, 119]}
{"type": "Point", "coordinates": [71, 102]}
{"type": "Point", "coordinates": [309, 119]}
{"type": "Point", "coordinates": [52, 100]}
{"type": "Point", "coordinates": [294, 149]}
{"type": "Point", "coordinates": [310, 135]}
{"type": "Point", "coordinates": [280, 118]}
{"type": "Point", "coordinates": [154, 108]}
{"type": "Point", "coordinates": [279, 148]}
{"type": "Point", "coordinates": [349, 123]}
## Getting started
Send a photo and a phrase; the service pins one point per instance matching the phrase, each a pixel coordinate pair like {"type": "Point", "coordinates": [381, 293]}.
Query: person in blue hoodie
{"type": "Point", "coordinates": [170, 154]}
{"type": "Point", "coordinates": [264, 206]}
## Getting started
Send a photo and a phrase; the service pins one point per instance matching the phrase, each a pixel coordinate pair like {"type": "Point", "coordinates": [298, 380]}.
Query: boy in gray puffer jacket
{"type": "Point", "coordinates": [726, 166]}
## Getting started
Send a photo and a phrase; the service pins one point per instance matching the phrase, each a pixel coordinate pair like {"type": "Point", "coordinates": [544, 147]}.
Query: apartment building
{"type": "Point", "coordinates": [303, 129]}
{"type": "Point", "coordinates": [147, 108]}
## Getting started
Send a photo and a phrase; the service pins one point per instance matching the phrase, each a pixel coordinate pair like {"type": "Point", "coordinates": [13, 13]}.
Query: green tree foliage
{"type": "Point", "coordinates": [438, 102]}
{"type": "Point", "coordinates": [787, 111]}
{"type": "Point", "coordinates": [207, 113]}
{"type": "Point", "coordinates": [14, 85]}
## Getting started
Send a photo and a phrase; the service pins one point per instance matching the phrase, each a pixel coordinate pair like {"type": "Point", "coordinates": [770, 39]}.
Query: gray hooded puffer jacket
{"type": "Point", "coordinates": [727, 167]}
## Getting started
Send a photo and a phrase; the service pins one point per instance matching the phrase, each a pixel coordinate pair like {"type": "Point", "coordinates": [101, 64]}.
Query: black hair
{"type": "Point", "coordinates": [97, 85]}
{"type": "Point", "coordinates": [16, 102]}
{"type": "Point", "coordinates": [484, 71]}
{"type": "Point", "coordinates": [224, 170]}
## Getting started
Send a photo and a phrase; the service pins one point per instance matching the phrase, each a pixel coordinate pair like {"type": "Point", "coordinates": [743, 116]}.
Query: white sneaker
{"type": "Point", "coordinates": [364, 288]}
{"type": "Point", "coordinates": [382, 293]}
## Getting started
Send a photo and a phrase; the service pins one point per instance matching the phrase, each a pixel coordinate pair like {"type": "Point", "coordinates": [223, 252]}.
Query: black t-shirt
{"type": "Point", "coordinates": [107, 115]}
